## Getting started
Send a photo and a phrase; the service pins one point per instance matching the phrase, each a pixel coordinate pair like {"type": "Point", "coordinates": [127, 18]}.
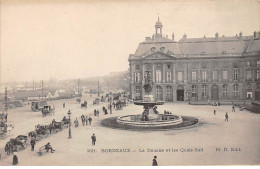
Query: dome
{"type": "Point", "coordinates": [158, 23]}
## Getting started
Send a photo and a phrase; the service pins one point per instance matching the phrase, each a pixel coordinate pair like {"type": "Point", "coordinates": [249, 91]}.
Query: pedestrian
{"type": "Point", "coordinates": [8, 148]}
{"type": "Point", "coordinates": [83, 119]}
{"type": "Point", "coordinates": [155, 161]}
{"type": "Point", "coordinates": [33, 142]}
{"type": "Point", "coordinates": [64, 105]}
{"type": "Point", "coordinates": [214, 112]}
{"type": "Point", "coordinates": [226, 117]}
{"type": "Point", "coordinates": [15, 158]}
{"type": "Point", "coordinates": [89, 120]}
{"type": "Point", "coordinates": [233, 108]}
{"type": "Point", "coordinates": [86, 119]}
{"type": "Point", "coordinates": [97, 112]}
{"type": "Point", "coordinates": [76, 122]}
{"type": "Point", "coordinates": [94, 139]}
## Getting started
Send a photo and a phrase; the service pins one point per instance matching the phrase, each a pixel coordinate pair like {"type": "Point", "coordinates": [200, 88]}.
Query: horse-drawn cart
{"type": "Point", "coordinates": [20, 142]}
{"type": "Point", "coordinates": [48, 110]}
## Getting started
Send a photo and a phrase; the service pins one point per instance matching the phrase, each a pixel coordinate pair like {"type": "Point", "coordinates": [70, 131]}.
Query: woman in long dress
{"type": "Point", "coordinates": [15, 159]}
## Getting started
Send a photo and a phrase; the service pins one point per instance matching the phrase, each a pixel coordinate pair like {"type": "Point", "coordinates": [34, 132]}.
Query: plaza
{"type": "Point", "coordinates": [212, 142]}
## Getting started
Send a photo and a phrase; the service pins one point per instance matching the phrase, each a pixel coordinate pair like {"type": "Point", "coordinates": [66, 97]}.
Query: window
{"type": "Point", "coordinates": [225, 75]}
{"type": "Point", "coordinates": [137, 67]}
{"type": "Point", "coordinates": [225, 90]}
{"type": "Point", "coordinates": [168, 77]}
{"type": "Point", "coordinates": [235, 91]}
{"type": "Point", "coordinates": [153, 49]}
{"type": "Point", "coordinates": [193, 76]}
{"type": "Point", "coordinates": [137, 77]}
{"type": "Point", "coordinates": [158, 91]}
{"type": "Point", "coordinates": [137, 89]}
{"type": "Point", "coordinates": [162, 49]}
{"type": "Point", "coordinates": [158, 76]}
{"type": "Point", "coordinates": [248, 63]}
{"type": "Point", "coordinates": [235, 75]}
{"type": "Point", "coordinates": [215, 75]}
{"type": "Point", "coordinates": [180, 76]}
{"type": "Point", "coordinates": [248, 75]}
{"type": "Point", "coordinates": [258, 62]}
{"type": "Point", "coordinates": [204, 76]}
{"type": "Point", "coordinates": [193, 91]}
{"type": "Point", "coordinates": [169, 92]}
{"type": "Point", "coordinates": [257, 74]}
{"type": "Point", "coordinates": [204, 90]}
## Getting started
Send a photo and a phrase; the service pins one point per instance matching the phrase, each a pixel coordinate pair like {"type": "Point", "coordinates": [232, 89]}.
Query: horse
{"type": "Point", "coordinates": [84, 104]}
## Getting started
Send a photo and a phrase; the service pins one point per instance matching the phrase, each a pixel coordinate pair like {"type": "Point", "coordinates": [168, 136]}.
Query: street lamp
{"type": "Point", "coordinates": [69, 113]}
{"type": "Point", "coordinates": [110, 106]}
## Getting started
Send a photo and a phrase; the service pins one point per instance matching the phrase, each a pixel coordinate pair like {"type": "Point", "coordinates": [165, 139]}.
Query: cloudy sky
{"type": "Point", "coordinates": [77, 39]}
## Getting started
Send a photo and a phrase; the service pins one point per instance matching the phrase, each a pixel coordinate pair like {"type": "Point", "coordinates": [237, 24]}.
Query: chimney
{"type": "Point", "coordinates": [254, 34]}
{"type": "Point", "coordinates": [204, 36]}
{"type": "Point", "coordinates": [184, 36]}
{"type": "Point", "coordinates": [172, 36]}
{"type": "Point", "coordinates": [240, 35]}
{"type": "Point", "coordinates": [166, 36]}
{"type": "Point", "coordinates": [216, 35]}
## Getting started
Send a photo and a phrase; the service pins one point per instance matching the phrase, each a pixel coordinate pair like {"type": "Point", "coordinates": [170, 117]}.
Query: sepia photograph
{"type": "Point", "coordinates": [129, 83]}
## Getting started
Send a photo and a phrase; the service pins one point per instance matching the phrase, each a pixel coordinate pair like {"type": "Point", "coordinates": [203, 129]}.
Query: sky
{"type": "Point", "coordinates": [79, 39]}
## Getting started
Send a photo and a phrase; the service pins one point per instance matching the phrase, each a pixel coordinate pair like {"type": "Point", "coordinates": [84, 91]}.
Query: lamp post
{"type": "Point", "coordinates": [69, 113]}
{"type": "Point", "coordinates": [110, 106]}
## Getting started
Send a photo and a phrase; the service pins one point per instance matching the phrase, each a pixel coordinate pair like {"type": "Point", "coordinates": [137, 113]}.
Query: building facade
{"type": "Point", "coordinates": [197, 69]}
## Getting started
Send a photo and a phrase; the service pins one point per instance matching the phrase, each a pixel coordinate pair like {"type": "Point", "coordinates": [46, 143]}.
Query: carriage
{"type": "Point", "coordinates": [38, 105]}
{"type": "Point", "coordinates": [96, 101]}
{"type": "Point", "coordinates": [48, 110]}
{"type": "Point", "coordinates": [84, 105]}
{"type": "Point", "coordinates": [66, 121]}
{"type": "Point", "coordinates": [20, 142]}
{"type": "Point", "coordinates": [43, 130]}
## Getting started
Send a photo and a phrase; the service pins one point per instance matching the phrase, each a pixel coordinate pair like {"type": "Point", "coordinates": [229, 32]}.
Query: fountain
{"type": "Point", "coordinates": [150, 116]}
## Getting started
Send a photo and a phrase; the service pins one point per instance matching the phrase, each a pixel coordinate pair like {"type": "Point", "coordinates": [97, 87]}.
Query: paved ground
{"type": "Point", "coordinates": [194, 146]}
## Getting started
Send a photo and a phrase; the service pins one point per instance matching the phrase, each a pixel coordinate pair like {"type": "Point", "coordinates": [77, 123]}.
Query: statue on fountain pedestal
{"type": "Point", "coordinates": [148, 87]}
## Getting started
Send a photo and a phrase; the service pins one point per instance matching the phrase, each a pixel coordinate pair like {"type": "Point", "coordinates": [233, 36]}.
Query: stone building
{"type": "Point", "coordinates": [197, 69]}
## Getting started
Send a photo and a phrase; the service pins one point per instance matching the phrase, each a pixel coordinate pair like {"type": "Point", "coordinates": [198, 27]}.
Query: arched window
{"type": "Point", "coordinates": [225, 90]}
{"type": "Point", "coordinates": [193, 91]}
{"type": "Point", "coordinates": [162, 49]}
{"type": "Point", "coordinates": [235, 90]}
{"type": "Point", "coordinates": [204, 90]}
{"type": "Point", "coordinates": [153, 49]}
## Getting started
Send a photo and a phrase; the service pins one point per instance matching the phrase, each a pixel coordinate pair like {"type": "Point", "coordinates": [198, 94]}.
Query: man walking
{"type": "Point", "coordinates": [155, 161]}
{"type": "Point", "coordinates": [83, 119]}
{"type": "Point", "coordinates": [226, 117]}
{"type": "Point", "coordinates": [86, 119]}
{"type": "Point", "coordinates": [94, 139]}
{"type": "Point", "coordinates": [214, 112]}
{"type": "Point", "coordinates": [89, 120]}
{"type": "Point", "coordinates": [33, 142]}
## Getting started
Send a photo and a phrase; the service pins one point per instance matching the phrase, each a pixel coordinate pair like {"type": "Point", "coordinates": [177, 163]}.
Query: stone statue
{"type": "Point", "coordinates": [148, 84]}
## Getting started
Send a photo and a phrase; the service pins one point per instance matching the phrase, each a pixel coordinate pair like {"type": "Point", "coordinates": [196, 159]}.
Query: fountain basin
{"type": "Point", "coordinates": [162, 121]}
{"type": "Point", "coordinates": [151, 103]}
